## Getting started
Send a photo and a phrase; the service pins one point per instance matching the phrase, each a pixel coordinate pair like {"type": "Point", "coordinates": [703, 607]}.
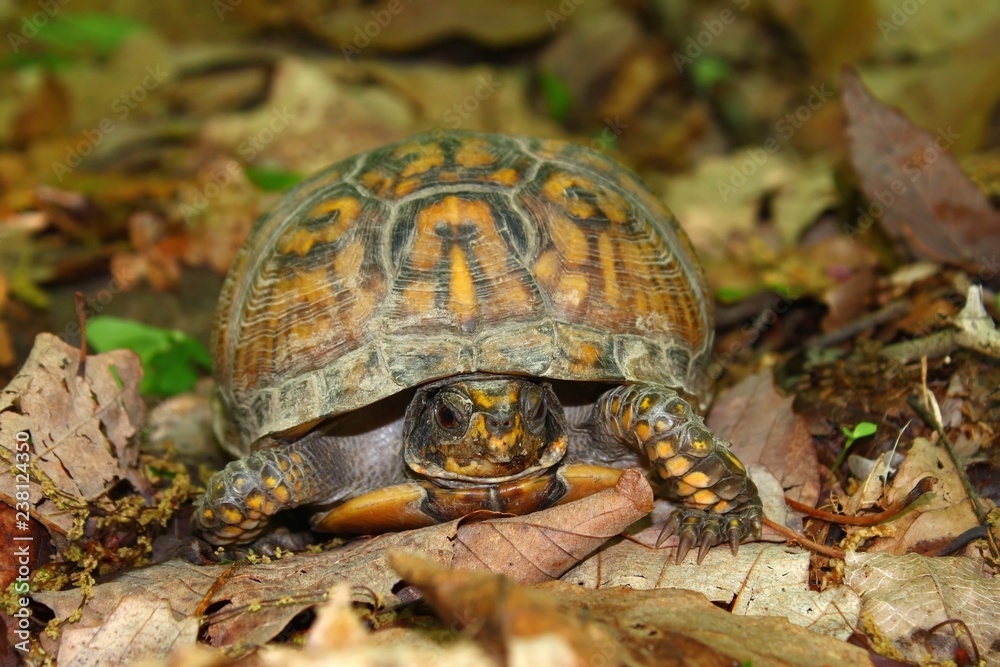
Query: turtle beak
{"type": "Point", "coordinates": [502, 437]}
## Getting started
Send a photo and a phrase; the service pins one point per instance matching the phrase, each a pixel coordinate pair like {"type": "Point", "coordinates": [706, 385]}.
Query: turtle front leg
{"type": "Point", "coordinates": [720, 500]}
{"type": "Point", "coordinates": [241, 498]}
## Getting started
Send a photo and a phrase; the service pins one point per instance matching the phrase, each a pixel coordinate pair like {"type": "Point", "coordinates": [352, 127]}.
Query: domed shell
{"type": "Point", "coordinates": [449, 253]}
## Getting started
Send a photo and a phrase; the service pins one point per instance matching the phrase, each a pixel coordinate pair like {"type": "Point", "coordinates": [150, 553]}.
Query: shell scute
{"type": "Point", "coordinates": [455, 252]}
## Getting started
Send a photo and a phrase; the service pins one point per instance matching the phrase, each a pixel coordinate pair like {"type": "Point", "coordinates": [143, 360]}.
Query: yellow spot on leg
{"type": "Point", "coordinates": [281, 494]}
{"type": "Point", "coordinates": [665, 449]}
{"type": "Point", "coordinates": [679, 465]}
{"type": "Point", "coordinates": [231, 515]}
{"type": "Point", "coordinates": [705, 497]}
{"type": "Point", "coordinates": [700, 446]}
{"type": "Point", "coordinates": [255, 500]}
{"type": "Point", "coordinates": [643, 431]}
{"type": "Point", "coordinates": [684, 490]}
{"type": "Point", "coordinates": [698, 479]}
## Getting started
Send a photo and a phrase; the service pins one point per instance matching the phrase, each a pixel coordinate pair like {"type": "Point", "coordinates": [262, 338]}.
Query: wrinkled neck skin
{"type": "Point", "coordinates": [479, 430]}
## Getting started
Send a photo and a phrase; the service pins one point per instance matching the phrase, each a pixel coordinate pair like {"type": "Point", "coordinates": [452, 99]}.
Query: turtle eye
{"type": "Point", "coordinates": [539, 412]}
{"type": "Point", "coordinates": [535, 409]}
{"type": "Point", "coordinates": [446, 417]}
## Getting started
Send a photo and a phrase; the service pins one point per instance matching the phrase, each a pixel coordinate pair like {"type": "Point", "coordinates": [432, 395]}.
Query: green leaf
{"type": "Point", "coordinates": [170, 358]}
{"type": "Point", "coordinates": [736, 294]}
{"type": "Point", "coordinates": [557, 95]}
{"type": "Point", "coordinates": [87, 33]}
{"type": "Point", "coordinates": [708, 71]}
{"type": "Point", "coordinates": [272, 180]}
{"type": "Point", "coordinates": [25, 60]}
{"type": "Point", "coordinates": [862, 430]}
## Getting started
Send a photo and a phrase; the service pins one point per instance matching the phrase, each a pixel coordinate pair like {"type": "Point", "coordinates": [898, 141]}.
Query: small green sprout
{"type": "Point", "coordinates": [862, 430]}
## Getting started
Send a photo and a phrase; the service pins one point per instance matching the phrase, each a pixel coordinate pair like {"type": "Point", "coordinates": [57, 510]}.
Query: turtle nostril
{"type": "Point", "coordinates": [502, 423]}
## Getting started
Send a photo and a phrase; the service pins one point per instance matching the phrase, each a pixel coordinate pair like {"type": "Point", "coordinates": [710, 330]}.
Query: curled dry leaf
{"type": "Point", "coordinates": [82, 423]}
{"type": "Point", "coordinates": [617, 625]}
{"type": "Point", "coordinates": [939, 517]}
{"type": "Point", "coordinates": [253, 603]}
{"type": "Point", "coordinates": [915, 185]}
{"type": "Point", "coordinates": [543, 545]}
{"type": "Point", "coordinates": [143, 614]}
{"type": "Point", "coordinates": [903, 597]}
{"type": "Point", "coordinates": [750, 581]}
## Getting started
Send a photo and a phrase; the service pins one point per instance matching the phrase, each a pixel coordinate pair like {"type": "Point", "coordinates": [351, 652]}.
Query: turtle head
{"type": "Point", "coordinates": [484, 429]}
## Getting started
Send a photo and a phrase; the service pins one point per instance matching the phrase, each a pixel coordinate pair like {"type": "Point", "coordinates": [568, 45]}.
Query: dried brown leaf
{"type": "Point", "coordinates": [764, 429]}
{"type": "Point", "coordinates": [543, 545]}
{"type": "Point", "coordinates": [412, 25]}
{"type": "Point", "coordinates": [939, 517]}
{"type": "Point", "coordinates": [903, 597]}
{"type": "Point", "coordinates": [252, 603]}
{"type": "Point", "coordinates": [82, 427]}
{"type": "Point", "coordinates": [143, 614]}
{"type": "Point", "coordinates": [927, 204]}
{"type": "Point", "coordinates": [618, 625]}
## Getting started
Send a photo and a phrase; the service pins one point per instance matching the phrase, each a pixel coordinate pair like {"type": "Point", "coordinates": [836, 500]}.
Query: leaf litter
{"type": "Point", "coordinates": [782, 231]}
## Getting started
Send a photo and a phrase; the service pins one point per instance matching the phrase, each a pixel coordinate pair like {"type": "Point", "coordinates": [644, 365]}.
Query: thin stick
{"type": "Point", "coordinates": [81, 313]}
{"type": "Point", "coordinates": [924, 485]}
{"type": "Point", "coordinates": [796, 538]}
{"type": "Point", "coordinates": [929, 417]}
{"type": "Point", "coordinates": [888, 312]}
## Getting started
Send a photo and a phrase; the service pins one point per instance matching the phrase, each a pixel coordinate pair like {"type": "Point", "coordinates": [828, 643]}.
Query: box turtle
{"type": "Point", "coordinates": [466, 321]}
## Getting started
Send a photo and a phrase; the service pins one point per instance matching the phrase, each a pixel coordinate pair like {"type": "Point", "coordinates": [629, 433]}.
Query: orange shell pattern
{"type": "Point", "coordinates": [449, 253]}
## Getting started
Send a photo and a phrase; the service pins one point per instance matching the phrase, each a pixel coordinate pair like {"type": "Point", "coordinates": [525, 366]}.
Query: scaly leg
{"type": "Point", "coordinates": [241, 498]}
{"type": "Point", "coordinates": [698, 470]}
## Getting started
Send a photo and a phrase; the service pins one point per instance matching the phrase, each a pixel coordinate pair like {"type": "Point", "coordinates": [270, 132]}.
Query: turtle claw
{"type": "Point", "coordinates": [669, 528]}
{"type": "Point", "coordinates": [734, 539]}
{"type": "Point", "coordinates": [705, 529]}
{"type": "Point", "coordinates": [706, 544]}
{"type": "Point", "coordinates": [688, 539]}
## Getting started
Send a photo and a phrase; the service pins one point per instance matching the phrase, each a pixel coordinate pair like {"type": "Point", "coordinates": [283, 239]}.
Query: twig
{"type": "Point", "coordinates": [81, 313]}
{"type": "Point", "coordinates": [936, 345]}
{"type": "Point", "coordinates": [973, 329]}
{"type": "Point", "coordinates": [796, 538]}
{"type": "Point", "coordinates": [923, 485]}
{"type": "Point", "coordinates": [931, 418]}
{"type": "Point", "coordinates": [888, 312]}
